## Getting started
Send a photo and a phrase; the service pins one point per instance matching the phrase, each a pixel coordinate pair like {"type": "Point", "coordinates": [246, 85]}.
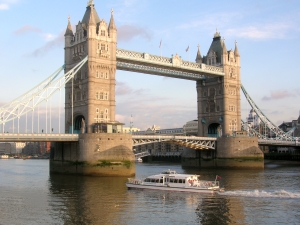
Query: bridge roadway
{"type": "Point", "coordinates": [9, 137]}
{"type": "Point", "coordinates": [187, 141]}
{"type": "Point", "coordinates": [197, 143]}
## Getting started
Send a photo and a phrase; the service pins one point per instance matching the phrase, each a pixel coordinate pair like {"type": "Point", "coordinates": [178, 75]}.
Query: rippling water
{"type": "Point", "coordinates": [29, 195]}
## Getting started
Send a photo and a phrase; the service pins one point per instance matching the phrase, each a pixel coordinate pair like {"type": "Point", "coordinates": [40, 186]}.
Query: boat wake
{"type": "Point", "coordinates": [262, 194]}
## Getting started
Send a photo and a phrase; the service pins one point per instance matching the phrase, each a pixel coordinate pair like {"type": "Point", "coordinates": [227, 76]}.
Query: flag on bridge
{"type": "Point", "coordinates": [160, 44]}
{"type": "Point", "coordinates": [218, 177]}
{"type": "Point", "coordinates": [187, 49]}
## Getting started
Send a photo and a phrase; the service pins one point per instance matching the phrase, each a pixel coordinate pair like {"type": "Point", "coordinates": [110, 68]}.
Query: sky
{"type": "Point", "coordinates": [267, 34]}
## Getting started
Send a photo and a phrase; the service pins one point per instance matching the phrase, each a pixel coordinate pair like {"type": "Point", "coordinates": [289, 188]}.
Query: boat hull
{"type": "Point", "coordinates": [168, 188]}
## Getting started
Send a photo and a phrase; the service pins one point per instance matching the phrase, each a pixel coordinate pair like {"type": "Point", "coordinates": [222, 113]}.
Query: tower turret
{"type": "Point", "coordinates": [112, 29]}
{"type": "Point", "coordinates": [198, 57]}
{"type": "Point", "coordinates": [69, 33]}
{"type": "Point", "coordinates": [91, 23]}
{"type": "Point", "coordinates": [68, 39]}
{"type": "Point", "coordinates": [236, 54]}
{"type": "Point", "coordinates": [225, 53]}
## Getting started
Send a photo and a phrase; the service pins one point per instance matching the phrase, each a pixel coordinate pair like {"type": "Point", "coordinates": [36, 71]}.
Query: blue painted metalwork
{"type": "Point", "coordinates": [42, 92]}
{"type": "Point", "coordinates": [280, 134]}
{"type": "Point", "coordinates": [158, 71]}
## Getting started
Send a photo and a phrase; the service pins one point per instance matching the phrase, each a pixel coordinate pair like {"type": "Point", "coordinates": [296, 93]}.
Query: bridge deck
{"type": "Point", "coordinates": [137, 139]}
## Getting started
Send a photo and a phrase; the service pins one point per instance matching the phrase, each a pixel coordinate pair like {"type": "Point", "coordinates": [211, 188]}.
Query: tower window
{"type": "Point", "coordinates": [101, 95]}
{"type": "Point", "coordinates": [231, 108]}
{"type": "Point", "coordinates": [97, 74]}
{"type": "Point", "coordinates": [102, 46]}
{"type": "Point", "coordinates": [97, 110]}
{"type": "Point", "coordinates": [102, 32]}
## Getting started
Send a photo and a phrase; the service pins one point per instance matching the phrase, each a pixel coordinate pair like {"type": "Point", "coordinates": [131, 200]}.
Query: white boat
{"type": "Point", "coordinates": [139, 160]}
{"type": "Point", "coordinates": [171, 181]}
{"type": "Point", "coordinates": [4, 156]}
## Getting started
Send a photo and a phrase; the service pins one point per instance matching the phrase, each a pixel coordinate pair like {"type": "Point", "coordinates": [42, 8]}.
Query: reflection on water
{"type": "Point", "coordinates": [87, 200]}
{"type": "Point", "coordinates": [29, 195]}
{"type": "Point", "coordinates": [214, 210]}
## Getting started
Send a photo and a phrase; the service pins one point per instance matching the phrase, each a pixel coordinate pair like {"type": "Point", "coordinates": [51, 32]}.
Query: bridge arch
{"type": "Point", "coordinates": [214, 130]}
{"type": "Point", "coordinates": [78, 122]}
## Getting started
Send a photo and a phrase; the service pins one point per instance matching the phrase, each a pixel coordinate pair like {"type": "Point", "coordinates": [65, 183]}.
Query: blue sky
{"type": "Point", "coordinates": [267, 32]}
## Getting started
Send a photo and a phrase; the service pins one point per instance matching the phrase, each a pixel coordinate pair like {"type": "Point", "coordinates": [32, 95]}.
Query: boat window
{"type": "Point", "coordinates": [161, 181]}
{"type": "Point", "coordinates": [180, 181]}
{"type": "Point", "coordinates": [183, 181]}
{"type": "Point", "coordinates": [157, 180]}
{"type": "Point", "coordinates": [175, 181]}
{"type": "Point", "coordinates": [171, 180]}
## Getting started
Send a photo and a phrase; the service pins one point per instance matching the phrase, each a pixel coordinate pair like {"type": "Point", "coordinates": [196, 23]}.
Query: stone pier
{"type": "Point", "coordinates": [237, 152]}
{"type": "Point", "coordinates": [96, 154]}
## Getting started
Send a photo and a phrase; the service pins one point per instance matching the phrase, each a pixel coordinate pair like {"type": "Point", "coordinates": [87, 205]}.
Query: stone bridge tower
{"type": "Point", "coordinates": [102, 149]}
{"type": "Point", "coordinates": [92, 107]}
{"type": "Point", "coordinates": [219, 114]}
{"type": "Point", "coordinates": [219, 110]}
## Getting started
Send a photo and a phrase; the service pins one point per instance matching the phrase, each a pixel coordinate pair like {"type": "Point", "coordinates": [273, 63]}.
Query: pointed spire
{"type": "Point", "coordinates": [236, 51]}
{"type": "Point", "coordinates": [90, 14]}
{"type": "Point", "coordinates": [92, 18]}
{"type": "Point", "coordinates": [112, 24]}
{"type": "Point", "coordinates": [217, 34]}
{"type": "Point", "coordinates": [69, 31]}
{"type": "Point", "coordinates": [198, 57]}
{"type": "Point", "coordinates": [90, 3]}
{"type": "Point", "coordinates": [224, 46]}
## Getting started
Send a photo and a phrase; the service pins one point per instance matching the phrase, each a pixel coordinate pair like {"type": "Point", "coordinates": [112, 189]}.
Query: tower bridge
{"type": "Point", "coordinates": [92, 134]}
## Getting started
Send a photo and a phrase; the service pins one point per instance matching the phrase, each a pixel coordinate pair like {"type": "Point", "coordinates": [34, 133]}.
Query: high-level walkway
{"type": "Point", "coordinates": [169, 67]}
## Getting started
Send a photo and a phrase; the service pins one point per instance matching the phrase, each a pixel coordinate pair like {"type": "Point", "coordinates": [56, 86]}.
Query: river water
{"type": "Point", "coordinates": [29, 195]}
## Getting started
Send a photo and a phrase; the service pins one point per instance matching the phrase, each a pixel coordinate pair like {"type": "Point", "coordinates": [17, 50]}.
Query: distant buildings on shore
{"type": "Point", "coordinates": [163, 148]}
{"type": "Point", "coordinates": [27, 148]}
{"type": "Point", "coordinates": [255, 123]}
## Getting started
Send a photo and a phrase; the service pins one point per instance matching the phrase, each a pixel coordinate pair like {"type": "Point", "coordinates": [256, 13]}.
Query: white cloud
{"type": "Point", "coordinates": [27, 29]}
{"type": "Point", "coordinates": [268, 31]}
{"type": "Point", "coordinates": [209, 21]}
{"type": "Point", "coordinates": [4, 6]}
{"type": "Point", "coordinates": [56, 42]}
{"type": "Point", "coordinates": [280, 94]}
{"type": "Point", "coordinates": [128, 32]}
{"type": "Point", "coordinates": [243, 25]}
{"type": "Point", "coordinates": [48, 36]}
{"type": "Point", "coordinates": [31, 29]}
